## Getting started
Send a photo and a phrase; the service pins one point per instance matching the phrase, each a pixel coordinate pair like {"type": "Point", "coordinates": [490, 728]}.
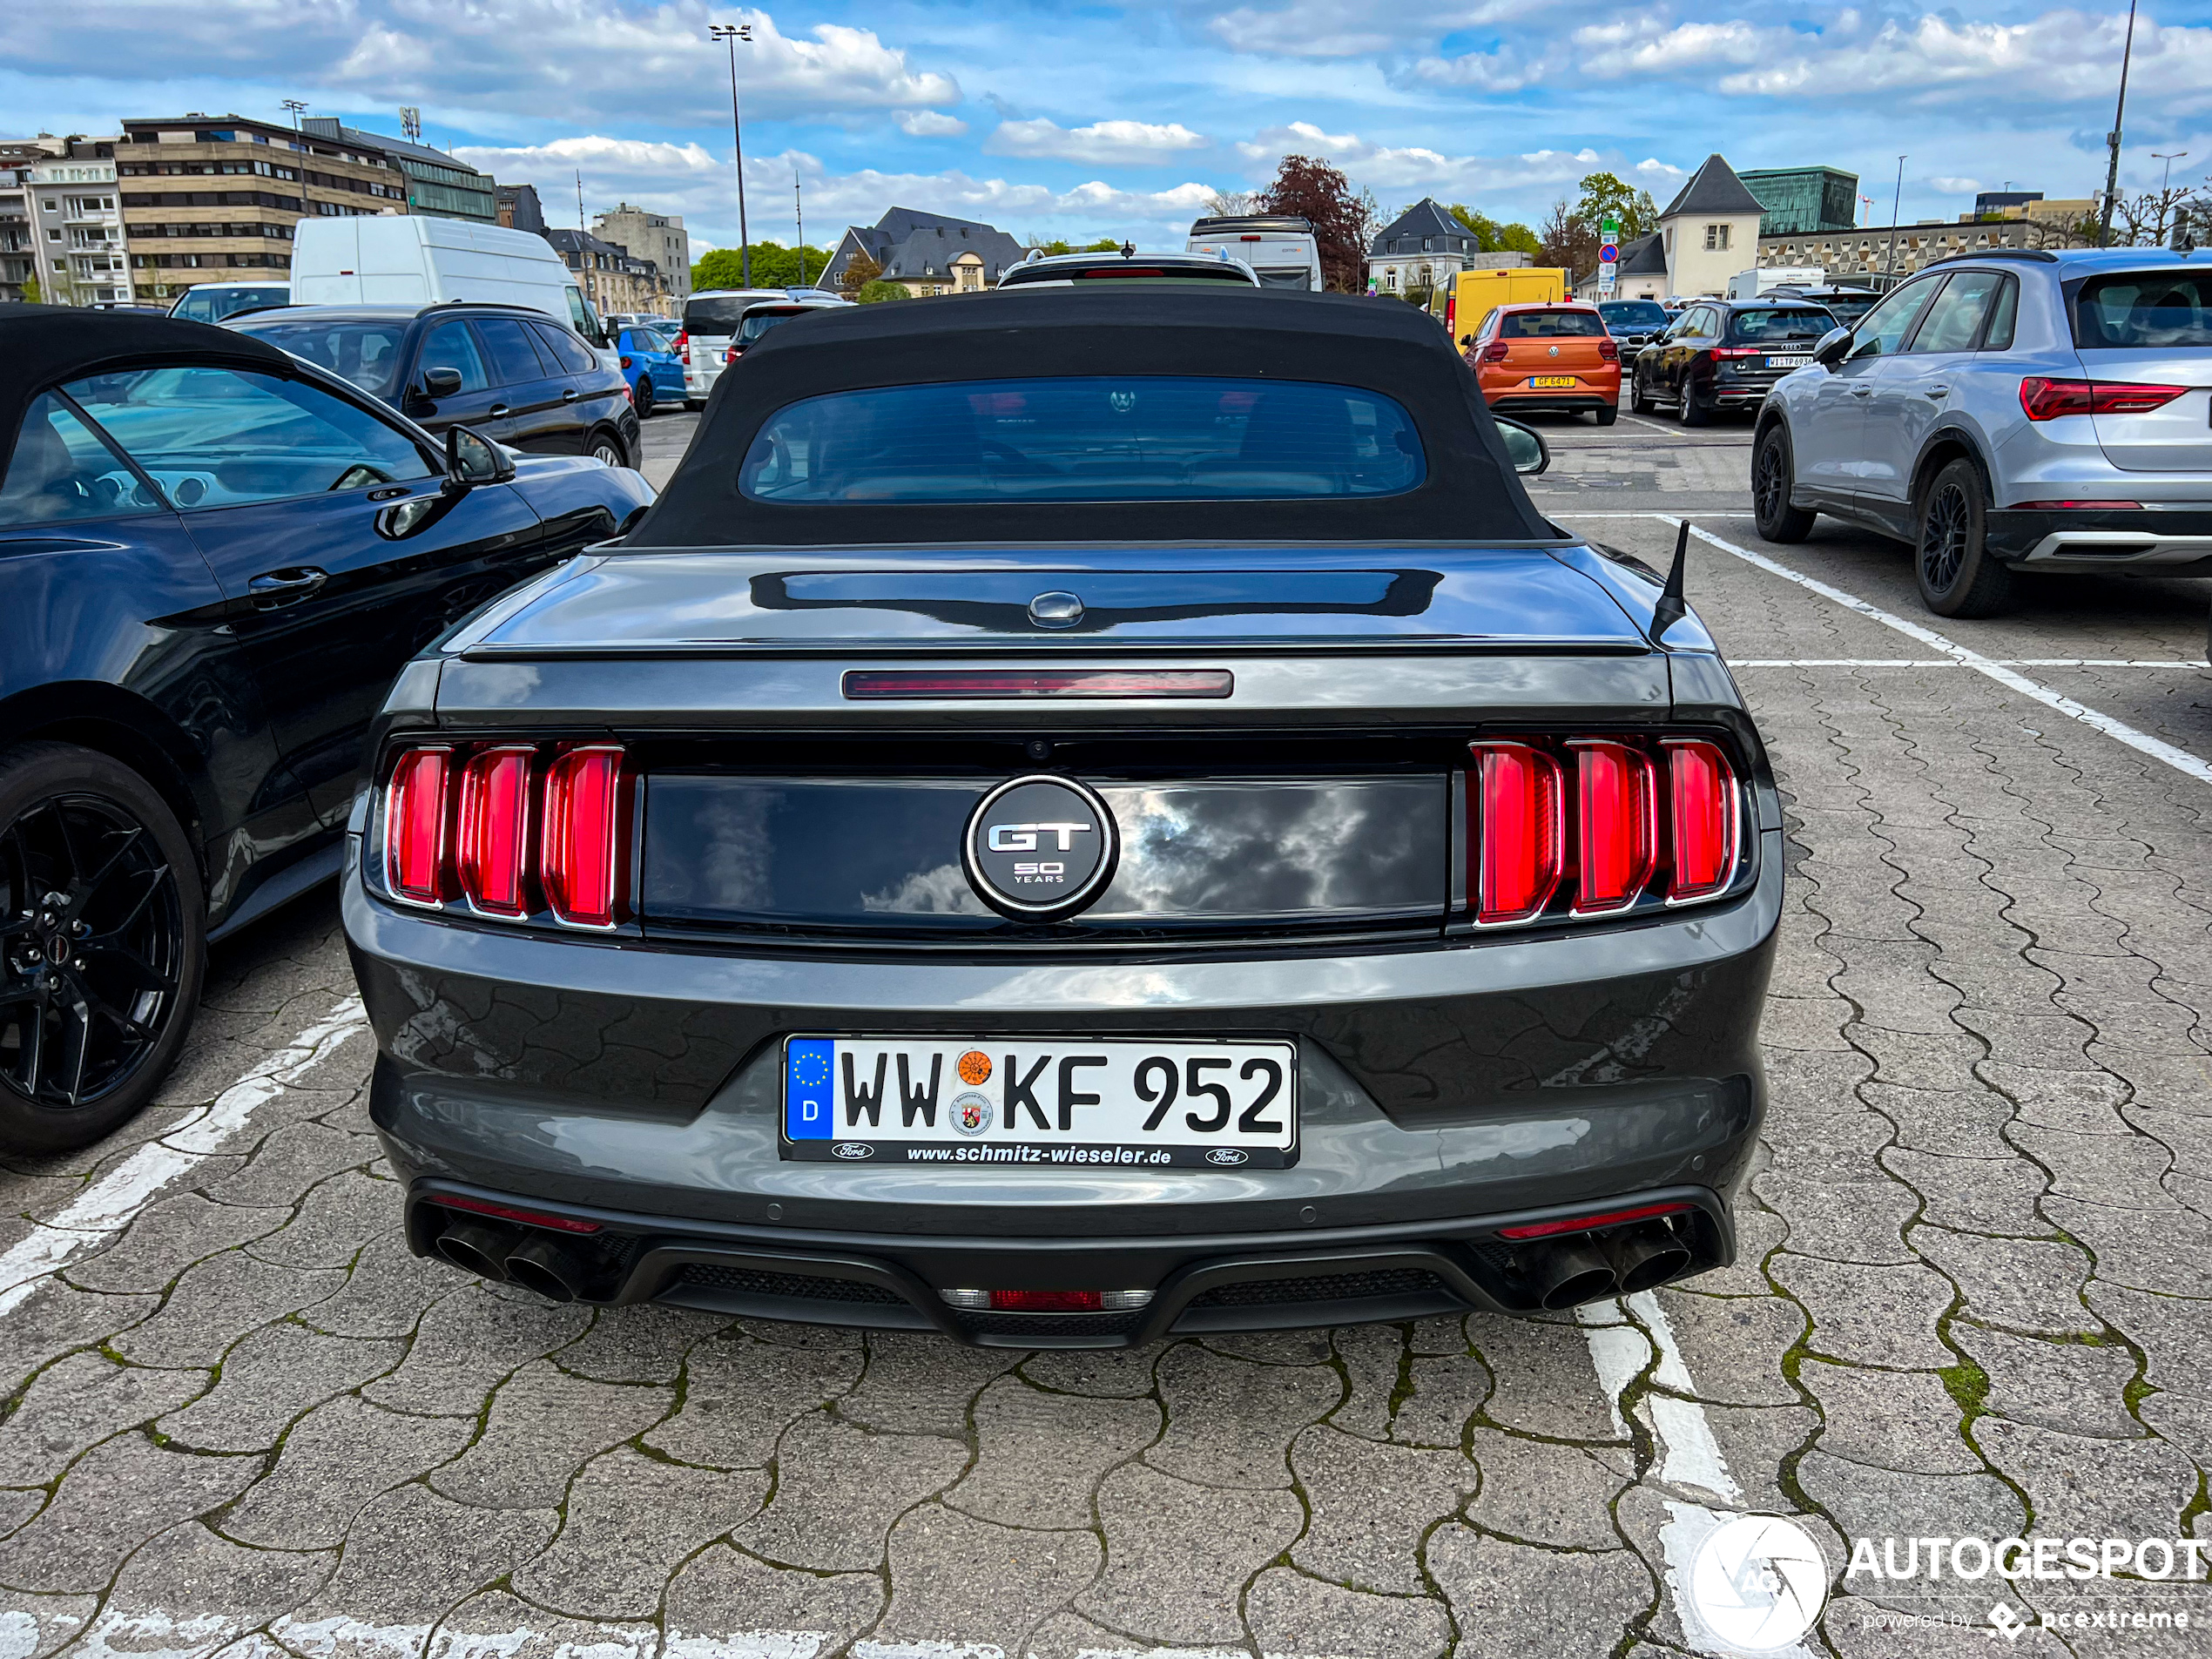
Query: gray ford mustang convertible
{"type": "Point", "coordinates": [1076, 816]}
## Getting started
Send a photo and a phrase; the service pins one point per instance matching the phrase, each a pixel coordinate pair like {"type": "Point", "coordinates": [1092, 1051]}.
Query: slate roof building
{"type": "Point", "coordinates": [612, 278]}
{"type": "Point", "coordinates": [927, 253]}
{"type": "Point", "coordinates": [1423, 248]}
{"type": "Point", "coordinates": [1709, 232]}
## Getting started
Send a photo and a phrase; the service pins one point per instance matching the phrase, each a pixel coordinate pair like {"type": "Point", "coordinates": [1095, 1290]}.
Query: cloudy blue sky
{"type": "Point", "coordinates": [1059, 119]}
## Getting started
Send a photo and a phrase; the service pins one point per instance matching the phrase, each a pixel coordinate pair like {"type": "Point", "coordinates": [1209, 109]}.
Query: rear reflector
{"type": "Point", "coordinates": [581, 863]}
{"type": "Point", "coordinates": [495, 829]}
{"type": "Point", "coordinates": [862, 685]}
{"type": "Point", "coordinates": [515, 1212]}
{"type": "Point", "coordinates": [1047, 1301]}
{"type": "Point", "coordinates": [1704, 796]}
{"type": "Point", "coordinates": [2074, 506]}
{"type": "Point", "coordinates": [1518, 845]}
{"type": "Point", "coordinates": [1618, 822]}
{"type": "Point", "coordinates": [1585, 1223]}
{"type": "Point", "coordinates": [414, 827]}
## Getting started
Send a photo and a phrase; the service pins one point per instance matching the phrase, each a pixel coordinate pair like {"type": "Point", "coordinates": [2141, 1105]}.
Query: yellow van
{"type": "Point", "coordinates": [1474, 295]}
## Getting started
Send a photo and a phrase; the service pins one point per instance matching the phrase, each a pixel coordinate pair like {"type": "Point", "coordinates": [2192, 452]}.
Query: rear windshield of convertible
{"type": "Point", "coordinates": [1092, 438]}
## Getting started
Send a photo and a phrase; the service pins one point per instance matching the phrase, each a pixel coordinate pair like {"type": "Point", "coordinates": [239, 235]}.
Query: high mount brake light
{"type": "Point", "coordinates": [1632, 811]}
{"type": "Point", "coordinates": [2043, 399]}
{"type": "Point", "coordinates": [866, 685]}
{"type": "Point", "coordinates": [467, 826]}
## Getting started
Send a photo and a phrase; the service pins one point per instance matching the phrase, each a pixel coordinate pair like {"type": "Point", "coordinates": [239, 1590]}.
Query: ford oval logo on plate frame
{"type": "Point", "coordinates": [1037, 848]}
{"type": "Point", "coordinates": [1228, 1157]}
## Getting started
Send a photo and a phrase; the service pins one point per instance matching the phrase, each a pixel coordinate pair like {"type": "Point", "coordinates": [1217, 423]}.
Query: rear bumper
{"type": "Point", "coordinates": [2152, 543]}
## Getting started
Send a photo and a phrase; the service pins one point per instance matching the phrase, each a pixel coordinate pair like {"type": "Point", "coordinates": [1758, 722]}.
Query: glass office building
{"type": "Point", "coordinates": [1804, 201]}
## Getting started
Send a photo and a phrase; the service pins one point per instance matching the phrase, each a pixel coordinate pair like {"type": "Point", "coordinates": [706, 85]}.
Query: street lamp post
{"type": "Point", "coordinates": [2112, 139]}
{"type": "Point", "coordinates": [2165, 186]}
{"type": "Point", "coordinates": [1897, 206]}
{"type": "Point", "coordinates": [732, 33]}
{"type": "Point", "coordinates": [798, 212]}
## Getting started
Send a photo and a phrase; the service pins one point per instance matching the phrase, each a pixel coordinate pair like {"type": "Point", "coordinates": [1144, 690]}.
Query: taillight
{"type": "Point", "coordinates": [476, 840]}
{"type": "Point", "coordinates": [1702, 790]}
{"type": "Point", "coordinates": [414, 827]}
{"type": "Point", "coordinates": [1494, 352]}
{"type": "Point", "coordinates": [1610, 349]}
{"type": "Point", "coordinates": [1518, 848]}
{"type": "Point", "coordinates": [625, 363]}
{"type": "Point", "coordinates": [1636, 820]}
{"type": "Point", "coordinates": [2042, 398]}
{"type": "Point", "coordinates": [683, 348]}
{"type": "Point", "coordinates": [1617, 823]}
{"type": "Point", "coordinates": [730, 355]}
{"type": "Point", "coordinates": [1739, 351]}
{"type": "Point", "coordinates": [495, 829]}
{"type": "Point", "coordinates": [580, 864]}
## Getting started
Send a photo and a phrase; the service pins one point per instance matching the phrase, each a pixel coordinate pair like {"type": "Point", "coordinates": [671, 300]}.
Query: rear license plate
{"type": "Point", "coordinates": [1787, 362]}
{"type": "Point", "coordinates": [1551, 381]}
{"type": "Point", "coordinates": [1078, 1104]}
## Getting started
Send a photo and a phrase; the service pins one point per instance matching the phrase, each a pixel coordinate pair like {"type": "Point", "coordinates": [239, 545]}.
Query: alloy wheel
{"type": "Point", "coordinates": [91, 949]}
{"type": "Point", "coordinates": [1944, 530]}
{"type": "Point", "coordinates": [1769, 488]}
{"type": "Point", "coordinates": [604, 450]}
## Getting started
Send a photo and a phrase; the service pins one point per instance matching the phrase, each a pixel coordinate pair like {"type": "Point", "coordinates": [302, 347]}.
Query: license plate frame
{"type": "Point", "coordinates": [1554, 382]}
{"type": "Point", "coordinates": [1788, 362]}
{"type": "Point", "coordinates": [1113, 1083]}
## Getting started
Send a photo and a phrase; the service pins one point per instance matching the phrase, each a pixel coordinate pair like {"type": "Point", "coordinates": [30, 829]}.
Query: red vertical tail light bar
{"type": "Point", "coordinates": [1617, 822]}
{"type": "Point", "coordinates": [415, 825]}
{"type": "Point", "coordinates": [1520, 846]}
{"type": "Point", "coordinates": [494, 853]}
{"type": "Point", "coordinates": [580, 864]}
{"type": "Point", "coordinates": [1702, 791]}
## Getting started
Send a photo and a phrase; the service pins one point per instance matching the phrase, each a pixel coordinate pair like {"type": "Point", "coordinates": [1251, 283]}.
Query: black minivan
{"type": "Point", "coordinates": [511, 374]}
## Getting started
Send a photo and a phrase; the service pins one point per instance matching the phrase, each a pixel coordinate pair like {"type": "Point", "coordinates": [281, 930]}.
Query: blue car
{"type": "Point", "coordinates": [651, 366]}
{"type": "Point", "coordinates": [214, 557]}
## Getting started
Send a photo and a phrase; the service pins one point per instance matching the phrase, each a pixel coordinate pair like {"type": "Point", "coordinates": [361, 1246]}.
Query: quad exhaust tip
{"type": "Point", "coordinates": [546, 1265]}
{"type": "Point", "coordinates": [478, 1247]}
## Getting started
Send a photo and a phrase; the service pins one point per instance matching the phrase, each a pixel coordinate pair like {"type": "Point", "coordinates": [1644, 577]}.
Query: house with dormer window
{"type": "Point", "coordinates": [1422, 249]}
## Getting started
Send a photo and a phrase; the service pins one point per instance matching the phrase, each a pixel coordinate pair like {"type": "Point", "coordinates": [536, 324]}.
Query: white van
{"type": "Point", "coordinates": [411, 261]}
{"type": "Point", "coordinates": [711, 319]}
{"type": "Point", "coordinates": [1281, 249]}
{"type": "Point", "coordinates": [1749, 285]}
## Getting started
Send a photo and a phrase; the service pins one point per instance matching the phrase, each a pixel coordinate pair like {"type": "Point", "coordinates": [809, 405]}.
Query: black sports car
{"type": "Point", "coordinates": [1077, 815]}
{"type": "Point", "coordinates": [214, 558]}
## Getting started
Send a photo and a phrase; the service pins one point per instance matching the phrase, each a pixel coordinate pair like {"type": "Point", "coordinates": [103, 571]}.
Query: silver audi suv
{"type": "Point", "coordinates": [2017, 409]}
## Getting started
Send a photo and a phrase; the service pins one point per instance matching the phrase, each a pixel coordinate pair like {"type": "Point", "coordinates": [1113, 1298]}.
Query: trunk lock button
{"type": "Point", "coordinates": [1055, 610]}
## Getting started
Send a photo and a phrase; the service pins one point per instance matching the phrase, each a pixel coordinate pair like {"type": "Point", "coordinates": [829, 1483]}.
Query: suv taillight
{"type": "Point", "coordinates": [1632, 814]}
{"type": "Point", "coordinates": [682, 346]}
{"type": "Point", "coordinates": [508, 831]}
{"type": "Point", "coordinates": [2047, 400]}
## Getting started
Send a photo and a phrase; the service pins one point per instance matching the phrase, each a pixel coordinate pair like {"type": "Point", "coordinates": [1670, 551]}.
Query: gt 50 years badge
{"type": "Point", "coordinates": [1038, 848]}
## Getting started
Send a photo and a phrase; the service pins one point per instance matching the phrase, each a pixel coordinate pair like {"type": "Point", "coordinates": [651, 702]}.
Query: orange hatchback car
{"type": "Point", "coordinates": [1536, 357]}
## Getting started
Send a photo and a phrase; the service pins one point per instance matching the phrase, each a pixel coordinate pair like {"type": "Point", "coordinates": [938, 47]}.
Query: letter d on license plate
{"type": "Point", "coordinates": [1075, 1104]}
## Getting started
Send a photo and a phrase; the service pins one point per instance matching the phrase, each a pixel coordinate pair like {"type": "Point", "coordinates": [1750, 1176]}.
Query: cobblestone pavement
{"type": "Point", "coordinates": [1973, 1297]}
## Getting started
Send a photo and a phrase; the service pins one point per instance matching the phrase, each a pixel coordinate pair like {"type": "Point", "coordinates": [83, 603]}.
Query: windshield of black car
{"type": "Point", "coordinates": [2144, 310]}
{"type": "Point", "coordinates": [364, 351]}
{"type": "Point", "coordinates": [1635, 315]}
{"type": "Point", "coordinates": [214, 304]}
{"type": "Point", "coordinates": [1551, 325]}
{"type": "Point", "coordinates": [1758, 327]}
{"type": "Point", "coordinates": [1093, 438]}
{"type": "Point", "coordinates": [717, 316]}
{"type": "Point", "coordinates": [758, 323]}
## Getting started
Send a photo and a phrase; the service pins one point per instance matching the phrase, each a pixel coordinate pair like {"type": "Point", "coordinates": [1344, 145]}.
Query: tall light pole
{"type": "Point", "coordinates": [2112, 139]}
{"type": "Point", "coordinates": [1897, 206]}
{"type": "Point", "coordinates": [798, 212]}
{"type": "Point", "coordinates": [2165, 185]}
{"type": "Point", "coordinates": [732, 33]}
{"type": "Point", "coordinates": [297, 108]}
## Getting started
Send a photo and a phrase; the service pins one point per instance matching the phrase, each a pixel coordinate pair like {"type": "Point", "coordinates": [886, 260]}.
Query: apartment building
{"type": "Point", "coordinates": [612, 278]}
{"type": "Point", "coordinates": [214, 198]}
{"type": "Point", "coordinates": [19, 258]}
{"type": "Point", "coordinates": [1874, 252]}
{"type": "Point", "coordinates": [658, 237]}
{"type": "Point", "coordinates": [59, 225]}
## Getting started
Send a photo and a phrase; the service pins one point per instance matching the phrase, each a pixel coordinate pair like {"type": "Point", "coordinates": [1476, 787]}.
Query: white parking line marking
{"type": "Point", "coordinates": [1672, 432]}
{"type": "Point", "coordinates": [109, 1204]}
{"type": "Point", "coordinates": [2119, 731]}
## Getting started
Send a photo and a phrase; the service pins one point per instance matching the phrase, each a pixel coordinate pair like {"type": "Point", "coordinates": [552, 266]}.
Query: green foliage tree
{"type": "Point", "coordinates": [774, 266]}
{"type": "Point", "coordinates": [1103, 245]}
{"type": "Point", "coordinates": [1493, 237]}
{"type": "Point", "coordinates": [872, 292]}
{"type": "Point", "coordinates": [33, 294]}
{"type": "Point", "coordinates": [1604, 192]}
{"type": "Point", "coordinates": [858, 272]}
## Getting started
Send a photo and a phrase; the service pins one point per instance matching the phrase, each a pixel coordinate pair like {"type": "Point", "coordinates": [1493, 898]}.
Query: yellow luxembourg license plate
{"type": "Point", "coordinates": [1548, 381]}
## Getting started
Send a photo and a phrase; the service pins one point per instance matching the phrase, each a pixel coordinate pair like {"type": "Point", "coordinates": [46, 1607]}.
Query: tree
{"type": "Point", "coordinates": [33, 294]}
{"type": "Point", "coordinates": [1569, 240]}
{"type": "Point", "coordinates": [2148, 220]}
{"type": "Point", "coordinates": [873, 292]}
{"type": "Point", "coordinates": [1492, 236]}
{"type": "Point", "coordinates": [1103, 245]}
{"type": "Point", "coordinates": [858, 272]}
{"type": "Point", "coordinates": [1604, 192]}
{"type": "Point", "coordinates": [774, 266]}
{"type": "Point", "coordinates": [1320, 194]}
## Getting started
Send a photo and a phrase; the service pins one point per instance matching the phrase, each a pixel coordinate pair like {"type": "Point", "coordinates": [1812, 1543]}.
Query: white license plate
{"type": "Point", "coordinates": [1787, 362]}
{"type": "Point", "coordinates": [1073, 1105]}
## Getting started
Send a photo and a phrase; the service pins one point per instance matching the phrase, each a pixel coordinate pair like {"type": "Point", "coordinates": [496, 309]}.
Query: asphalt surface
{"type": "Point", "coordinates": [1974, 1298]}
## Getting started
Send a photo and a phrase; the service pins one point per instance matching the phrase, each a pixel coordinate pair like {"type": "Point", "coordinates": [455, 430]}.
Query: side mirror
{"type": "Point", "coordinates": [1525, 447]}
{"type": "Point", "coordinates": [1831, 347]}
{"type": "Point", "coordinates": [472, 460]}
{"type": "Point", "coordinates": [1467, 340]}
{"type": "Point", "coordinates": [441, 382]}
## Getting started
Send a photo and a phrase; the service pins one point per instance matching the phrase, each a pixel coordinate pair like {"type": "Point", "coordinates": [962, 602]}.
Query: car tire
{"type": "Point", "coordinates": [1609, 414]}
{"type": "Point", "coordinates": [642, 398]}
{"type": "Point", "coordinates": [693, 405]}
{"type": "Point", "coordinates": [1773, 472]}
{"type": "Point", "coordinates": [1639, 399]}
{"type": "Point", "coordinates": [607, 447]}
{"type": "Point", "coordinates": [86, 1050]}
{"type": "Point", "coordinates": [1692, 412]}
{"type": "Point", "coordinates": [1959, 576]}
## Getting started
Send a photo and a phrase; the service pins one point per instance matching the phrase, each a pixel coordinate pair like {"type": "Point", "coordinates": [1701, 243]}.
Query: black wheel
{"type": "Point", "coordinates": [1693, 413]}
{"type": "Point", "coordinates": [103, 942]}
{"type": "Point", "coordinates": [693, 405]}
{"type": "Point", "coordinates": [607, 447]}
{"type": "Point", "coordinates": [1639, 398]}
{"type": "Point", "coordinates": [1609, 414]}
{"type": "Point", "coordinates": [1773, 471]}
{"type": "Point", "coordinates": [642, 398]}
{"type": "Point", "coordinates": [1958, 575]}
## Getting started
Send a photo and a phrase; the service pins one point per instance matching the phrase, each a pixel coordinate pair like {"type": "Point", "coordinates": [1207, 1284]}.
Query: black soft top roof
{"type": "Point", "coordinates": [43, 346]}
{"type": "Point", "coordinates": [1470, 493]}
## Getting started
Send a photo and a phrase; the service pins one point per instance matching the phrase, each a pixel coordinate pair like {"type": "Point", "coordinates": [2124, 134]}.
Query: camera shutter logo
{"type": "Point", "coordinates": [1759, 1582]}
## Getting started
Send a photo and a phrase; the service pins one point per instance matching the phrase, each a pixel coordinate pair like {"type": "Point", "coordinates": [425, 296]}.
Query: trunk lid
{"type": "Point", "coordinates": [2174, 437]}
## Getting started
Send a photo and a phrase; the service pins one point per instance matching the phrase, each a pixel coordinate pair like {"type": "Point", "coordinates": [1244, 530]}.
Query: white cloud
{"type": "Point", "coordinates": [1401, 169]}
{"type": "Point", "coordinates": [1956, 187]}
{"type": "Point", "coordinates": [929, 124]}
{"type": "Point", "coordinates": [1102, 142]}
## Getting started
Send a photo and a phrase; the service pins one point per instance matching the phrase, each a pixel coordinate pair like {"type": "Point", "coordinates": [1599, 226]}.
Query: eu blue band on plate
{"type": "Point", "coordinates": [808, 1115]}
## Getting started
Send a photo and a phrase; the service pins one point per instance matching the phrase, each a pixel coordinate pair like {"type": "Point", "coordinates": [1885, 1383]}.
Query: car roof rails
{"type": "Point", "coordinates": [2040, 256]}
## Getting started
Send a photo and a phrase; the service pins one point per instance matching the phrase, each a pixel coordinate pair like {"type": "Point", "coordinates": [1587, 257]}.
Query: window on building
{"type": "Point", "coordinates": [1717, 238]}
